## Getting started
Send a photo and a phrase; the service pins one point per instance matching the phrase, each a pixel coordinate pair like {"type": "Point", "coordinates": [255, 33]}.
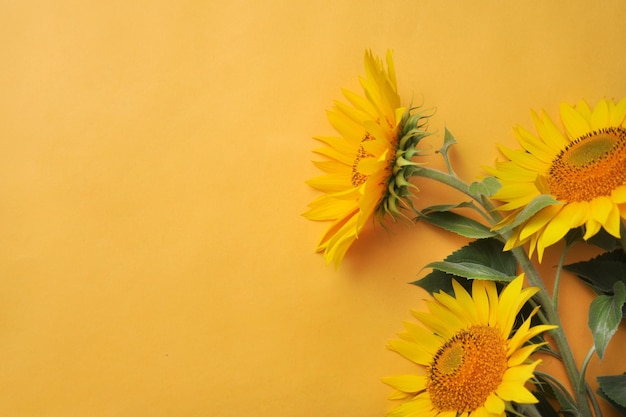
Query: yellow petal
{"type": "Point", "coordinates": [330, 183]}
{"type": "Point", "coordinates": [399, 395]}
{"type": "Point", "coordinates": [591, 228]}
{"type": "Point", "coordinates": [346, 127]}
{"type": "Point", "coordinates": [554, 231]}
{"type": "Point", "coordinates": [619, 195]}
{"type": "Point", "coordinates": [618, 113]}
{"type": "Point", "coordinates": [481, 300]}
{"type": "Point", "coordinates": [520, 374]}
{"type": "Point", "coordinates": [612, 223]}
{"type": "Point", "coordinates": [437, 325]}
{"type": "Point", "coordinates": [360, 103]}
{"type": "Point", "coordinates": [494, 405]}
{"type": "Point", "coordinates": [600, 207]}
{"type": "Point", "coordinates": [461, 308]}
{"type": "Point", "coordinates": [515, 392]}
{"type": "Point", "coordinates": [331, 211]}
{"type": "Point", "coordinates": [369, 166]}
{"type": "Point", "coordinates": [411, 352]}
{"type": "Point", "coordinates": [447, 316]}
{"type": "Point", "coordinates": [507, 306]}
{"type": "Point", "coordinates": [334, 167]}
{"type": "Point", "coordinates": [539, 220]}
{"type": "Point", "coordinates": [521, 355]}
{"type": "Point", "coordinates": [575, 124]}
{"type": "Point", "coordinates": [423, 338]}
{"type": "Point", "coordinates": [600, 116]}
{"type": "Point", "coordinates": [407, 383]}
{"type": "Point", "coordinates": [421, 406]}
{"type": "Point", "coordinates": [533, 145]}
{"type": "Point", "coordinates": [548, 131]}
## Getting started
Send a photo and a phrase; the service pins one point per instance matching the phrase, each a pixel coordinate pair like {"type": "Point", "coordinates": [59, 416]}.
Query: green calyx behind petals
{"type": "Point", "coordinates": [398, 195]}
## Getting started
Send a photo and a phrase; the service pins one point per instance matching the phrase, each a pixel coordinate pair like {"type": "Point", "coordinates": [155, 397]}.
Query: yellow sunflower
{"type": "Point", "coordinates": [368, 166]}
{"type": "Point", "coordinates": [473, 363]}
{"type": "Point", "coordinates": [583, 169]}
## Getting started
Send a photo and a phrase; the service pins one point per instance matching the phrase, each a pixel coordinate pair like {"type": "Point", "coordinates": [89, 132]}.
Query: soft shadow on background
{"type": "Point", "coordinates": [153, 158]}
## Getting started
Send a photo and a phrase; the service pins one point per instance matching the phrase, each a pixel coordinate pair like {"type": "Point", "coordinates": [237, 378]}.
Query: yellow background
{"type": "Point", "coordinates": [152, 164]}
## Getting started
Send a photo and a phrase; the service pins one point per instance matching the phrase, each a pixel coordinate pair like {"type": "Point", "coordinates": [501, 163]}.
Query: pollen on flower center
{"type": "Point", "coordinates": [466, 369]}
{"type": "Point", "coordinates": [591, 166]}
{"type": "Point", "coordinates": [359, 178]}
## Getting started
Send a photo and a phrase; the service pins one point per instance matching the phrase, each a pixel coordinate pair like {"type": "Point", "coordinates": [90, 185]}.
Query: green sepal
{"type": "Point", "coordinates": [398, 195]}
{"type": "Point", "coordinates": [484, 252]}
{"type": "Point", "coordinates": [538, 203]}
{"type": "Point", "coordinates": [613, 389]}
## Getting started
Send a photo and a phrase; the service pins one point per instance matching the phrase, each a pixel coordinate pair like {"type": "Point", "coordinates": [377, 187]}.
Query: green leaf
{"type": "Point", "coordinates": [447, 207]}
{"type": "Point", "coordinates": [438, 281]}
{"type": "Point", "coordinates": [487, 187]}
{"type": "Point", "coordinates": [470, 270]}
{"type": "Point", "coordinates": [458, 224]}
{"type": "Point", "coordinates": [613, 389]}
{"type": "Point", "coordinates": [486, 252]}
{"type": "Point", "coordinates": [602, 272]}
{"type": "Point", "coordinates": [605, 314]}
{"type": "Point", "coordinates": [538, 203]}
{"type": "Point", "coordinates": [603, 240]}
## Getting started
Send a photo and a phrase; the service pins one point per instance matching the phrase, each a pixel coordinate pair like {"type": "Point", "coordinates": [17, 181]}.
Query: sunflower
{"type": "Point", "coordinates": [368, 166]}
{"type": "Point", "coordinates": [473, 363]}
{"type": "Point", "coordinates": [583, 170]}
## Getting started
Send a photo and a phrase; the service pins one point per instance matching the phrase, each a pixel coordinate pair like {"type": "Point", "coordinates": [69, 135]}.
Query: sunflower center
{"type": "Point", "coordinates": [359, 178]}
{"type": "Point", "coordinates": [591, 166]}
{"type": "Point", "coordinates": [466, 369]}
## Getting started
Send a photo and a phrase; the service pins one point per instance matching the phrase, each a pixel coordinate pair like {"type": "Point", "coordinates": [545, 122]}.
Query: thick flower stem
{"type": "Point", "coordinates": [447, 179]}
{"type": "Point", "coordinates": [558, 334]}
{"type": "Point", "coordinates": [533, 278]}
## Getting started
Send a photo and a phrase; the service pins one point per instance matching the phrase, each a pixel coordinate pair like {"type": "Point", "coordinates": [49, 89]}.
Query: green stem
{"type": "Point", "coordinates": [594, 401]}
{"type": "Point", "coordinates": [557, 278]}
{"type": "Point", "coordinates": [444, 178]}
{"type": "Point", "coordinates": [556, 384]}
{"type": "Point", "coordinates": [583, 368]}
{"type": "Point", "coordinates": [529, 410]}
{"type": "Point", "coordinates": [558, 334]}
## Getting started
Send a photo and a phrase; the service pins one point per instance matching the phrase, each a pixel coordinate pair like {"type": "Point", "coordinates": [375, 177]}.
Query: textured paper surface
{"type": "Point", "coordinates": [152, 163]}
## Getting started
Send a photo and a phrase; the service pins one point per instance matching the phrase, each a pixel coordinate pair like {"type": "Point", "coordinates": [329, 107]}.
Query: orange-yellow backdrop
{"type": "Point", "coordinates": [153, 157]}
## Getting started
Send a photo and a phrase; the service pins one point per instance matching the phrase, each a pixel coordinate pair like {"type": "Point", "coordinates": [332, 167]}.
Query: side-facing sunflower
{"type": "Point", "coordinates": [369, 164]}
{"type": "Point", "coordinates": [473, 363]}
{"type": "Point", "coordinates": [583, 169]}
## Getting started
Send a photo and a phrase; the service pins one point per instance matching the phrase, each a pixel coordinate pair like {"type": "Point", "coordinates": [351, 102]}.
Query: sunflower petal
{"type": "Point", "coordinates": [575, 124]}
{"type": "Point", "coordinates": [407, 383]}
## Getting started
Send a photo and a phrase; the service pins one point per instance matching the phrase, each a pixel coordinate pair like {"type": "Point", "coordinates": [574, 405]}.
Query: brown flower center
{"type": "Point", "coordinates": [591, 166]}
{"type": "Point", "coordinates": [466, 369]}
